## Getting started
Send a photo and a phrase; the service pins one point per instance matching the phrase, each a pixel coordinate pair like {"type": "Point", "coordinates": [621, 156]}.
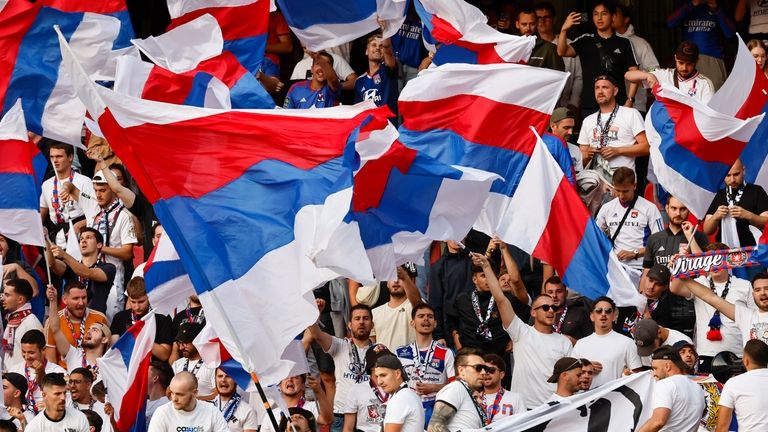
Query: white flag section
{"type": "Point", "coordinates": [620, 405]}
{"type": "Point", "coordinates": [182, 48]}
{"type": "Point", "coordinates": [73, 243]}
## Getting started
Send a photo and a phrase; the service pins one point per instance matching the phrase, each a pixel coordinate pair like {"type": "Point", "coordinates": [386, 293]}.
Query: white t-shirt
{"type": "Point", "coordinates": [456, 395]}
{"type": "Point", "coordinates": [49, 368]}
{"type": "Point", "coordinates": [392, 326]}
{"type": "Point", "coordinates": [153, 405]}
{"type": "Point", "coordinates": [434, 365]}
{"type": "Point", "coordinates": [643, 220]}
{"type": "Point", "coordinates": [673, 337]}
{"type": "Point", "coordinates": [303, 69]}
{"type": "Point", "coordinates": [71, 209]}
{"type": "Point", "coordinates": [739, 293]}
{"type": "Point", "coordinates": [745, 394]}
{"type": "Point", "coordinates": [752, 323]}
{"type": "Point", "coordinates": [204, 418]}
{"type": "Point", "coordinates": [349, 369]}
{"type": "Point", "coordinates": [535, 357]}
{"type": "Point", "coordinates": [613, 350]}
{"type": "Point", "coordinates": [622, 131]}
{"type": "Point", "coordinates": [697, 86]}
{"type": "Point", "coordinates": [243, 418]}
{"type": "Point", "coordinates": [758, 17]}
{"type": "Point", "coordinates": [684, 398]}
{"type": "Point", "coordinates": [13, 359]}
{"type": "Point", "coordinates": [404, 407]}
{"type": "Point", "coordinates": [206, 377]}
{"type": "Point", "coordinates": [98, 408]}
{"type": "Point", "coordinates": [511, 403]}
{"type": "Point", "coordinates": [74, 360]}
{"type": "Point", "coordinates": [266, 423]}
{"type": "Point", "coordinates": [73, 421]}
{"type": "Point", "coordinates": [370, 411]}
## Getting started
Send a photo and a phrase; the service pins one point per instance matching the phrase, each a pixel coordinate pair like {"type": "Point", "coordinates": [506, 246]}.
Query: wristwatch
{"type": "Point", "coordinates": [636, 252]}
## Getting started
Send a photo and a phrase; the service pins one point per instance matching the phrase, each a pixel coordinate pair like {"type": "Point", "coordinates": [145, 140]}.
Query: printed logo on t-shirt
{"type": "Point", "coordinates": [190, 428]}
{"type": "Point", "coordinates": [634, 214]}
{"type": "Point", "coordinates": [507, 409]}
{"type": "Point", "coordinates": [376, 411]}
{"type": "Point", "coordinates": [372, 95]}
{"type": "Point", "coordinates": [759, 331]}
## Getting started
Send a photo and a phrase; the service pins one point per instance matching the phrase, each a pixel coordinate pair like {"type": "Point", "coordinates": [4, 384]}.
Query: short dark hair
{"type": "Point", "coordinates": [34, 337]}
{"type": "Point", "coordinates": [419, 307]}
{"type": "Point", "coordinates": [547, 6]}
{"type": "Point", "coordinates": [8, 426]}
{"type": "Point", "coordinates": [757, 351]}
{"type": "Point", "coordinates": [96, 233]}
{"type": "Point", "coordinates": [716, 246]}
{"type": "Point", "coordinates": [757, 277]}
{"type": "Point", "coordinates": [85, 372]}
{"type": "Point", "coordinates": [94, 420]}
{"type": "Point", "coordinates": [74, 284]}
{"type": "Point", "coordinates": [120, 167]}
{"type": "Point", "coordinates": [623, 176]}
{"type": "Point", "coordinates": [155, 226]}
{"type": "Point", "coordinates": [164, 372]}
{"type": "Point", "coordinates": [604, 299]}
{"type": "Point", "coordinates": [585, 362]}
{"type": "Point", "coordinates": [465, 352]}
{"type": "Point", "coordinates": [68, 148]}
{"type": "Point", "coordinates": [21, 287]}
{"type": "Point", "coordinates": [608, 4]}
{"type": "Point", "coordinates": [136, 288]}
{"type": "Point", "coordinates": [496, 360]}
{"type": "Point", "coordinates": [327, 56]}
{"type": "Point", "coordinates": [624, 9]}
{"type": "Point", "coordinates": [361, 306]}
{"type": "Point", "coordinates": [525, 10]}
{"type": "Point", "coordinates": [53, 379]}
{"type": "Point", "coordinates": [554, 280]}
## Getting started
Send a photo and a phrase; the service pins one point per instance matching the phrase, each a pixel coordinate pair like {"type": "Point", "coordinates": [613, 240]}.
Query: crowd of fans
{"type": "Point", "coordinates": [480, 333]}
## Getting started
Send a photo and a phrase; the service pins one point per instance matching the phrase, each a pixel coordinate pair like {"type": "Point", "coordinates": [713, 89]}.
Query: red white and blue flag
{"type": "Point", "coordinates": [743, 95]}
{"type": "Point", "coordinates": [21, 174]}
{"type": "Point", "coordinates": [464, 35]}
{"type": "Point", "coordinates": [321, 24]}
{"type": "Point", "coordinates": [167, 282]}
{"type": "Point", "coordinates": [124, 369]}
{"type": "Point", "coordinates": [241, 200]}
{"type": "Point", "coordinates": [693, 146]}
{"type": "Point", "coordinates": [547, 219]}
{"type": "Point", "coordinates": [30, 62]}
{"type": "Point", "coordinates": [402, 200]}
{"type": "Point", "coordinates": [244, 25]}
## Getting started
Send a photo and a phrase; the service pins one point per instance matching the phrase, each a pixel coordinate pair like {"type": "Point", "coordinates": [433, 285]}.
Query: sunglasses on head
{"type": "Point", "coordinates": [600, 311]}
{"type": "Point", "coordinates": [482, 368]}
{"type": "Point", "coordinates": [547, 307]}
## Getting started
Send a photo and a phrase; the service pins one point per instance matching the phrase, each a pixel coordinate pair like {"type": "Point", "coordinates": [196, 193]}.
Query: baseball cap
{"type": "Point", "coordinates": [608, 77]}
{"type": "Point", "coordinates": [660, 273]}
{"type": "Point", "coordinates": [98, 178]}
{"type": "Point", "coordinates": [645, 334]}
{"type": "Point", "coordinates": [561, 113]}
{"type": "Point", "coordinates": [564, 365]}
{"type": "Point", "coordinates": [682, 344]}
{"type": "Point", "coordinates": [373, 354]}
{"type": "Point", "coordinates": [667, 352]}
{"type": "Point", "coordinates": [17, 380]}
{"type": "Point", "coordinates": [688, 52]}
{"type": "Point", "coordinates": [410, 268]}
{"type": "Point", "coordinates": [104, 329]}
{"type": "Point", "coordinates": [188, 331]}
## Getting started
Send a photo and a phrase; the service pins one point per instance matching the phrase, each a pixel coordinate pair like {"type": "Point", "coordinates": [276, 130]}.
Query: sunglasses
{"type": "Point", "coordinates": [600, 311]}
{"type": "Point", "coordinates": [547, 307]}
{"type": "Point", "coordinates": [482, 368]}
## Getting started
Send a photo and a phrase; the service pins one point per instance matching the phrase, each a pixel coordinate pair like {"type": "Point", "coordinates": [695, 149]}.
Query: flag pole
{"type": "Point", "coordinates": [46, 250]}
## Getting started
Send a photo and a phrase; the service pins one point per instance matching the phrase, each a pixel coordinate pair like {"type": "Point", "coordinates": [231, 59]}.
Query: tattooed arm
{"type": "Point", "coordinates": [441, 416]}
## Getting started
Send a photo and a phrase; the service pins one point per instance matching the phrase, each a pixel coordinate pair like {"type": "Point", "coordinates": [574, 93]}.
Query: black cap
{"type": "Point", "coordinates": [687, 52]}
{"type": "Point", "coordinates": [18, 381]}
{"type": "Point", "coordinates": [188, 331]}
{"type": "Point", "coordinates": [564, 365]}
{"type": "Point", "coordinates": [682, 344]}
{"type": "Point", "coordinates": [373, 354]}
{"type": "Point", "coordinates": [660, 273]}
{"type": "Point", "coordinates": [608, 77]}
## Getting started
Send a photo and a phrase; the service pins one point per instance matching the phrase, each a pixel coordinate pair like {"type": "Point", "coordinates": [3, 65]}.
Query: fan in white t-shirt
{"type": "Point", "coordinates": [185, 412]}
{"type": "Point", "coordinates": [678, 402]}
{"type": "Point", "coordinates": [404, 411]}
{"type": "Point", "coordinates": [744, 394]}
{"type": "Point", "coordinates": [499, 402]}
{"type": "Point", "coordinates": [457, 406]}
{"type": "Point", "coordinates": [57, 416]}
{"type": "Point", "coordinates": [649, 335]}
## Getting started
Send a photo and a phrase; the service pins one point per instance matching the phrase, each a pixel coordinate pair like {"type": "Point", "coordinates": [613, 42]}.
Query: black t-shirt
{"type": "Point", "coordinates": [466, 321]}
{"type": "Point", "coordinates": [753, 199]}
{"type": "Point", "coordinates": [124, 320]}
{"type": "Point", "coordinates": [612, 56]}
{"type": "Point", "coordinates": [194, 314]}
{"type": "Point", "coordinates": [576, 323]}
{"type": "Point", "coordinates": [661, 246]}
{"type": "Point", "coordinates": [97, 291]}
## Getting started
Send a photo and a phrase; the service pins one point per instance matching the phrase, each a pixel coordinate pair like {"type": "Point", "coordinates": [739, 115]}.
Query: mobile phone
{"type": "Point", "coordinates": [584, 17]}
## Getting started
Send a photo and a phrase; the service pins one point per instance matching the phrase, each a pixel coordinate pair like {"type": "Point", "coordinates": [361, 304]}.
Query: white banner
{"type": "Point", "coordinates": [618, 406]}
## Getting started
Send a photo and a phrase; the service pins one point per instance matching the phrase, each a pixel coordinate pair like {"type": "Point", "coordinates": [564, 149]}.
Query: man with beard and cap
{"type": "Point", "coordinates": [348, 357]}
{"type": "Point", "coordinates": [366, 402]}
{"type": "Point", "coordinates": [293, 391]}
{"type": "Point", "coordinates": [537, 347]}
{"type": "Point", "coordinates": [94, 345]}
{"type": "Point", "coordinates": [688, 355]}
{"type": "Point", "coordinates": [391, 321]}
{"type": "Point", "coordinates": [404, 412]}
{"type": "Point", "coordinates": [192, 362]}
{"type": "Point", "coordinates": [239, 415]}
{"type": "Point", "coordinates": [499, 402]}
{"type": "Point", "coordinates": [567, 375]}
{"type": "Point", "coordinates": [608, 351]}
{"type": "Point", "coordinates": [428, 364]}
{"type": "Point", "coordinates": [683, 76]}
{"type": "Point", "coordinates": [458, 405]}
{"type": "Point", "coordinates": [649, 336]}
{"type": "Point", "coordinates": [57, 416]}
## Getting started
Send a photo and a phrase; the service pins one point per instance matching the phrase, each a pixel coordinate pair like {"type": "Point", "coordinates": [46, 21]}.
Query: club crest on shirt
{"type": "Point", "coordinates": [634, 214]}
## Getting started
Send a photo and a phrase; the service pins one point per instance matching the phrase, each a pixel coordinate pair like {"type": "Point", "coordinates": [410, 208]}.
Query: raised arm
{"type": "Point", "coordinates": [324, 339]}
{"type": "Point", "coordinates": [411, 291]}
{"type": "Point", "coordinates": [62, 344]}
{"type": "Point", "coordinates": [127, 196]}
{"type": "Point", "coordinates": [502, 302]}
{"type": "Point", "coordinates": [564, 49]}
{"type": "Point", "coordinates": [389, 55]}
{"type": "Point", "coordinates": [514, 273]}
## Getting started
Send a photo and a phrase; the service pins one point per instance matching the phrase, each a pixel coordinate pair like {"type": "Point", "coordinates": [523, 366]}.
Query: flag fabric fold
{"type": "Point", "coordinates": [167, 282]}
{"type": "Point", "coordinates": [263, 174]}
{"type": "Point", "coordinates": [693, 146]}
{"type": "Point", "coordinates": [547, 219]}
{"type": "Point", "coordinates": [31, 68]}
{"type": "Point", "coordinates": [125, 369]}
{"type": "Point", "coordinates": [244, 25]}
{"type": "Point", "coordinates": [464, 35]}
{"type": "Point", "coordinates": [321, 24]}
{"type": "Point", "coordinates": [22, 167]}
{"type": "Point", "coordinates": [402, 201]}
